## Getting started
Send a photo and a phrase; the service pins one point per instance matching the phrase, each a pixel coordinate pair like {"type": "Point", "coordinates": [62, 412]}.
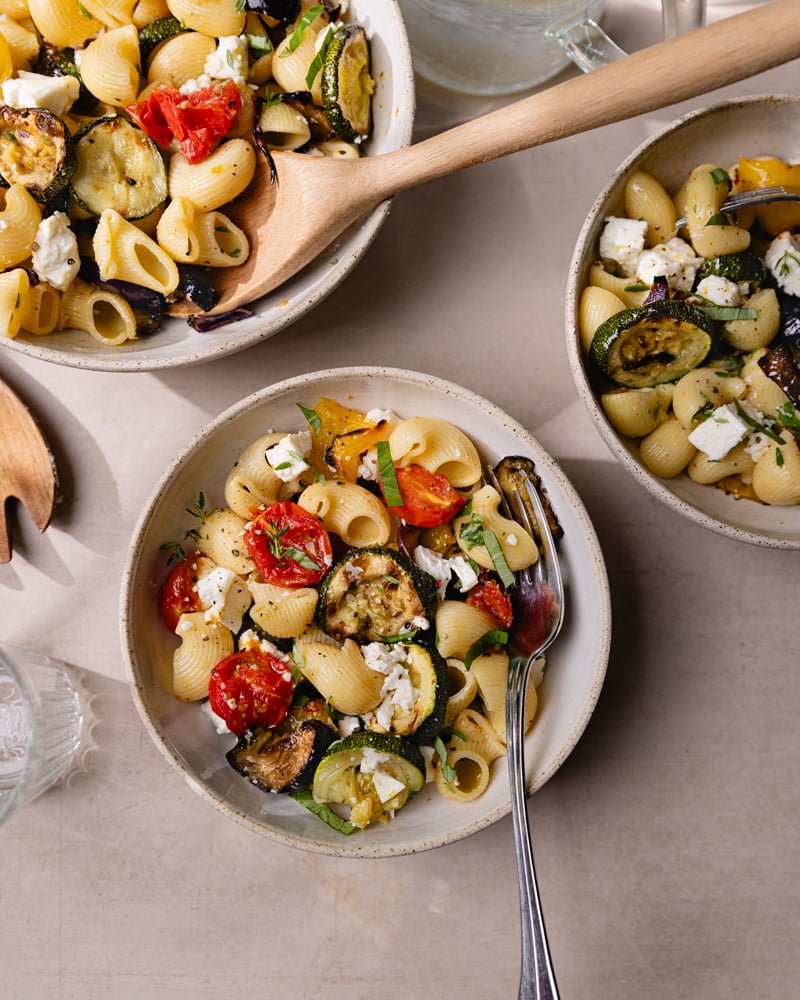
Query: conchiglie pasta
{"type": "Point", "coordinates": [220, 178]}
{"type": "Point", "coordinates": [180, 58]}
{"type": "Point", "coordinates": [203, 645]}
{"type": "Point", "coordinates": [354, 514]}
{"type": "Point", "coordinates": [110, 66]}
{"type": "Point", "coordinates": [285, 612]}
{"type": "Point", "coordinates": [667, 450]}
{"type": "Point", "coordinates": [283, 127]}
{"type": "Point", "coordinates": [112, 13]}
{"type": "Point", "coordinates": [64, 23]}
{"type": "Point", "coordinates": [704, 199]}
{"type": "Point", "coordinates": [252, 480]}
{"type": "Point", "coordinates": [471, 773]}
{"type": "Point", "coordinates": [517, 545]}
{"type": "Point", "coordinates": [633, 412]}
{"type": "Point", "coordinates": [125, 253]}
{"type": "Point", "coordinates": [762, 392]}
{"type": "Point", "coordinates": [206, 238]}
{"type": "Point", "coordinates": [23, 45]}
{"type": "Point", "coordinates": [341, 675]}
{"type": "Point", "coordinates": [104, 315]}
{"type": "Point", "coordinates": [596, 306]}
{"type": "Point", "coordinates": [20, 217]}
{"type": "Point", "coordinates": [14, 287]}
{"type": "Point", "coordinates": [480, 735]}
{"type": "Point", "coordinates": [491, 675]}
{"type": "Point", "coordinates": [702, 469]}
{"type": "Point", "coordinates": [290, 68]}
{"type": "Point", "coordinates": [40, 309]}
{"type": "Point", "coordinates": [221, 538]}
{"type": "Point", "coordinates": [17, 10]}
{"type": "Point", "coordinates": [459, 626]}
{"type": "Point", "coordinates": [776, 476]}
{"type": "Point", "coordinates": [462, 688]}
{"type": "Point", "coordinates": [218, 19]}
{"type": "Point", "coordinates": [646, 198]}
{"type": "Point", "coordinates": [600, 278]}
{"type": "Point", "coordinates": [437, 446]}
{"type": "Point", "coordinates": [697, 388]}
{"type": "Point", "coordinates": [750, 334]}
{"type": "Point", "coordinates": [147, 11]}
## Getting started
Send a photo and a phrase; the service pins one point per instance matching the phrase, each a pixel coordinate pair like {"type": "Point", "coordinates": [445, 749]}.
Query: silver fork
{"type": "Point", "coordinates": [758, 196]}
{"type": "Point", "coordinates": [544, 583]}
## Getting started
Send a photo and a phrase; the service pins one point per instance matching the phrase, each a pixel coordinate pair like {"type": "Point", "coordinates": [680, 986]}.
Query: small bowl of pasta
{"type": "Point", "coordinates": [320, 605]}
{"type": "Point", "coordinates": [134, 139]}
{"type": "Point", "coordinates": [683, 319]}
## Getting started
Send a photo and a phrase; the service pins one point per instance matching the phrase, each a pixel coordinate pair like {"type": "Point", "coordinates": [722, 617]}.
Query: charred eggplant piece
{"type": "Point", "coordinates": [790, 317]}
{"type": "Point", "coordinates": [781, 363]}
{"type": "Point", "coordinates": [281, 763]}
{"type": "Point", "coordinates": [659, 291]}
{"type": "Point", "coordinates": [195, 285]}
{"type": "Point", "coordinates": [53, 61]}
{"type": "Point", "coordinates": [511, 472]}
{"type": "Point", "coordinates": [282, 10]}
{"type": "Point", "coordinates": [148, 306]}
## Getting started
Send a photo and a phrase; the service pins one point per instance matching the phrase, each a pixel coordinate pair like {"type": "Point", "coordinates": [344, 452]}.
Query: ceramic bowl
{"type": "Point", "coordinates": [720, 134]}
{"type": "Point", "coordinates": [576, 663]}
{"type": "Point", "coordinates": [176, 343]}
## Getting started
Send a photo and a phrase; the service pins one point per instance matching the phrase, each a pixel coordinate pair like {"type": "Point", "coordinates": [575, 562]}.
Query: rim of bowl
{"type": "Point", "coordinates": [285, 387]}
{"type": "Point", "coordinates": [577, 365]}
{"type": "Point", "coordinates": [370, 226]}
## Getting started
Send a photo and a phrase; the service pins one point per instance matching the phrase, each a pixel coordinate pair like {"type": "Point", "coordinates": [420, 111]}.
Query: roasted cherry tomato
{"type": "Point", "coordinates": [289, 546]}
{"type": "Point", "coordinates": [198, 121]}
{"type": "Point", "coordinates": [180, 594]}
{"type": "Point", "coordinates": [251, 688]}
{"type": "Point", "coordinates": [429, 499]}
{"type": "Point", "coordinates": [490, 596]}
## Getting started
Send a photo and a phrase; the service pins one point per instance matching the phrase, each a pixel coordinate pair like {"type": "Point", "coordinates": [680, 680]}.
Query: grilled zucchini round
{"type": "Point", "coordinates": [36, 151]}
{"type": "Point", "coordinates": [347, 86]}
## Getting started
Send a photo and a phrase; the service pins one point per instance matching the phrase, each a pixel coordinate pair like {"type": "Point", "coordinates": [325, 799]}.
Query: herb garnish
{"type": "Point", "coordinates": [259, 43]}
{"type": "Point", "coordinates": [398, 638]}
{"type": "Point", "coordinates": [789, 416]}
{"type": "Point", "coordinates": [783, 266]}
{"type": "Point", "coordinates": [199, 510]}
{"type": "Point", "coordinates": [176, 551]}
{"type": "Point", "coordinates": [498, 558]}
{"type": "Point", "coordinates": [719, 219]}
{"type": "Point", "coordinates": [448, 773]}
{"type": "Point", "coordinates": [472, 530]}
{"type": "Point", "coordinates": [391, 488]}
{"type": "Point", "coordinates": [297, 35]}
{"type": "Point", "coordinates": [719, 175]}
{"type": "Point", "coordinates": [318, 60]}
{"type": "Point", "coordinates": [778, 457]}
{"type": "Point", "coordinates": [274, 535]}
{"type": "Point", "coordinates": [638, 287]}
{"type": "Point", "coordinates": [756, 425]}
{"type": "Point", "coordinates": [723, 313]}
{"type": "Point", "coordinates": [311, 416]}
{"type": "Point", "coordinates": [323, 811]}
{"type": "Point", "coordinates": [494, 637]}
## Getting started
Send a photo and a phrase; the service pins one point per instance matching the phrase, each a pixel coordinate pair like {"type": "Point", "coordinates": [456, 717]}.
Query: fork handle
{"type": "Point", "coordinates": [537, 979]}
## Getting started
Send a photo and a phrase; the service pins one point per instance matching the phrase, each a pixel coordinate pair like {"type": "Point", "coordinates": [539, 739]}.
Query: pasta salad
{"type": "Point", "coordinates": [345, 618]}
{"type": "Point", "coordinates": [695, 332]}
{"type": "Point", "coordinates": [128, 126]}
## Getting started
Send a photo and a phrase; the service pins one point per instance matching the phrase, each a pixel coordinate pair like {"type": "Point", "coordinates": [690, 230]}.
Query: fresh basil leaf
{"type": "Point", "coordinates": [297, 35]}
{"type": "Point", "coordinates": [282, 465]}
{"type": "Point", "coordinates": [317, 61]}
{"type": "Point", "coordinates": [297, 656]}
{"type": "Point", "coordinates": [472, 530]}
{"type": "Point", "coordinates": [304, 797]}
{"type": "Point", "coordinates": [497, 557]}
{"type": "Point", "coordinates": [789, 416]}
{"type": "Point", "coordinates": [259, 43]}
{"type": "Point", "coordinates": [494, 637]}
{"type": "Point", "coordinates": [723, 313]}
{"type": "Point", "coordinates": [639, 287]}
{"type": "Point", "coordinates": [298, 556]}
{"type": "Point", "coordinates": [298, 677]}
{"type": "Point", "coordinates": [451, 731]}
{"type": "Point", "coordinates": [398, 638]}
{"type": "Point", "coordinates": [719, 219]}
{"type": "Point", "coordinates": [756, 425]}
{"type": "Point", "coordinates": [448, 773]}
{"type": "Point", "coordinates": [391, 488]}
{"type": "Point", "coordinates": [311, 416]}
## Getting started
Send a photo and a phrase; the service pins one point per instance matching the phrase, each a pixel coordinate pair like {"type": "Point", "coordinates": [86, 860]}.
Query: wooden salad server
{"type": "Point", "coordinates": [27, 469]}
{"type": "Point", "coordinates": [316, 198]}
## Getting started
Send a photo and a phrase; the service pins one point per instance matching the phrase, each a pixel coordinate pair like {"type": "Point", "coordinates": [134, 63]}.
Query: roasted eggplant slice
{"type": "Point", "coordinates": [372, 594]}
{"type": "Point", "coordinates": [347, 86]}
{"type": "Point", "coordinates": [782, 364]}
{"type": "Point", "coordinates": [196, 285]}
{"type": "Point", "coordinates": [278, 762]}
{"type": "Point", "coordinates": [511, 473]}
{"type": "Point", "coordinates": [36, 151]}
{"type": "Point", "coordinates": [53, 61]}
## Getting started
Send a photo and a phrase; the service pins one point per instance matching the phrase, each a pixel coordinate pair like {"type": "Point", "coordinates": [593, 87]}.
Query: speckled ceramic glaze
{"type": "Point", "coordinates": [721, 134]}
{"type": "Point", "coordinates": [177, 344]}
{"type": "Point", "coordinates": [576, 665]}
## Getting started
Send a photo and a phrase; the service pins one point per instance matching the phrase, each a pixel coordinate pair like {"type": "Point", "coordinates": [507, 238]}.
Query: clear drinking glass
{"type": "Point", "coordinates": [41, 725]}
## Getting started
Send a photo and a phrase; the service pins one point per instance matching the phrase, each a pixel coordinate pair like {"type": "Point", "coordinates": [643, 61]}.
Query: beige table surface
{"type": "Point", "coordinates": [667, 845]}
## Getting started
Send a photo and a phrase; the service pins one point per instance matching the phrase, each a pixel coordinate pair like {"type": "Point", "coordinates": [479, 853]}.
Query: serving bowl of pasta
{"type": "Point", "coordinates": [317, 605]}
{"type": "Point", "coordinates": [136, 143]}
{"type": "Point", "coordinates": [683, 319]}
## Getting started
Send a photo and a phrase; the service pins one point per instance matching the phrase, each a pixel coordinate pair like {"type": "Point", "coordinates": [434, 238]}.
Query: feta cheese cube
{"type": "Point", "coordinates": [720, 291]}
{"type": "Point", "coordinates": [368, 466]}
{"type": "Point", "coordinates": [371, 759]}
{"type": "Point", "coordinates": [348, 725]}
{"type": "Point", "coordinates": [467, 577]}
{"type": "Point", "coordinates": [288, 456]}
{"type": "Point", "coordinates": [622, 241]}
{"type": "Point", "coordinates": [34, 90]}
{"type": "Point", "coordinates": [783, 259]}
{"type": "Point", "coordinates": [720, 432]}
{"type": "Point", "coordinates": [437, 566]}
{"type": "Point", "coordinates": [56, 258]}
{"type": "Point", "coordinates": [224, 597]}
{"type": "Point", "coordinates": [674, 260]}
{"type": "Point", "coordinates": [231, 60]}
{"type": "Point", "coordinates": [385, 785]}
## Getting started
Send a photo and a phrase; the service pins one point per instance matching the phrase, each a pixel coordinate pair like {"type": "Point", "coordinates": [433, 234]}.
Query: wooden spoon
{"type": "Point", "coordinates": [315, 199]}
{"type": "Point", "coordinates": [27, 469]}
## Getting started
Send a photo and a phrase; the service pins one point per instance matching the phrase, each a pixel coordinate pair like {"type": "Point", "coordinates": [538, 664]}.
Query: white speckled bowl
{"type": "Point", "coordinates": [576, 664]}
{"type": "Point", "coordinates": [177, 344]}
{"type": "Point", "coordinates": [720, 134]}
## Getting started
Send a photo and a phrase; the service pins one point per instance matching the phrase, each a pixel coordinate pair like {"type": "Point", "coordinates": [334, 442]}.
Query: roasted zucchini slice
{"type": "Point", "coordinates": [372, 594]}
{"type": "Point", "coordinates": [36, 151]}
{"type": "Point", "coordinates": [119, 167]}
{"type": "Point", "coordinates": [427, 671]}
{"type": "Point", "coordinates": [653, 343]}
{"type": "Point", "coordinates": [737, 267]}
{"type": "Point", "coordinates": [347, 86]}
{"type": "Point", "coordinates": [373, 773]}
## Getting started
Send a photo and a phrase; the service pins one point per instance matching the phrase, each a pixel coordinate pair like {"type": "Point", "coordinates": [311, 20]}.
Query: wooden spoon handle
{"type": "Point", "coordinates": [672, 71]}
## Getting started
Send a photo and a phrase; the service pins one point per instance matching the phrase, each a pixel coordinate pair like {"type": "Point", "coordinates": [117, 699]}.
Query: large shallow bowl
{"type": "Point", "coordinates": [177, 344]}
{"type": "Point", "coordinates": [577, 662]}
{"type": "Point", "coordinates": [719, 134]}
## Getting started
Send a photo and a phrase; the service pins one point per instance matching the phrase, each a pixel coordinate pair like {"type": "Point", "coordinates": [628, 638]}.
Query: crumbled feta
{"type": "Point", "coordinates": [385, 785]}
{"type": "Point", "coordinates": [376, 416]}
{"type": "Point", "coordinates": [463, 569]}
{"type": "Point", "coordinates": [371, 759]}
{"type": "Point", "coordinates": [383, 658]}
{"type": "Point", "coordinates": [420, 622]}
{"type": "Point", "coordinates": [368, 466]}
{"type": "Point", "coordinates": [288, 456]}
{"type": "Point", "coordinates": [437, 566]}
{"type": "Point", "coordinates": [230, 61]}
{"type": "Point", "coordinates": [348, 725]}
{"type": "Point", "coordinates": [674, 260]}
{"type": "Point", "coordinates": [720, 432]}
{"type": "Point", "coordinates": [219, 723]}
{"type": "Point", "coordinates": [352, 572]}
{"type": "Point", "coordinates": [250, 639]}
{"type": "Point", "coordinates": [55, 257]}
{"type": "Point", "coordinates": [622, 241]}
{"type": "Point", "coordinates": [33, 90]}
{"type": "Point", "coordinates": [397, 689]}
{"type": "Point", "coordinates": [199, 83]}
{"type": "Point", "coordinates": [756, 445]}
{"type": "Point", "coordinates": [224, 597]}
{"type": "Point", "coordinates": [511, 538]}
{"type": "Point", "coordinates": [783, 259]}
{"type": "Point", "coordinates": [720, 291]}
